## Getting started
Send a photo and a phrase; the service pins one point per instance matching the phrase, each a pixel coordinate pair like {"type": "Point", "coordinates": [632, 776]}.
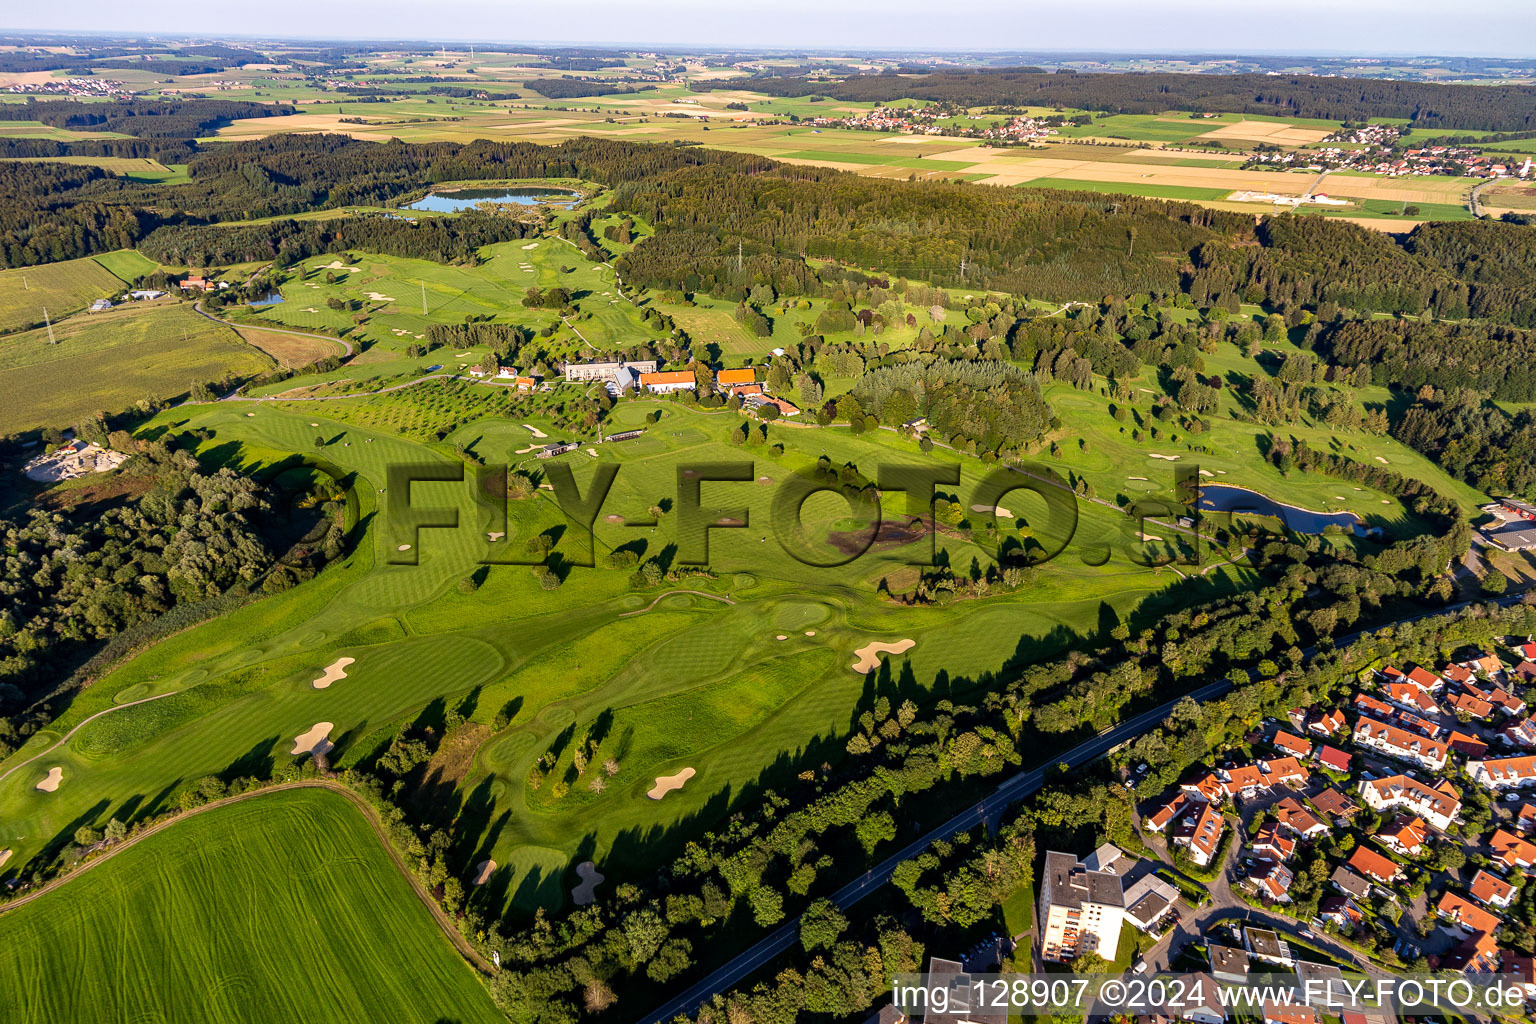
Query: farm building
{"type": "Point", "coordinates": [668, 381]}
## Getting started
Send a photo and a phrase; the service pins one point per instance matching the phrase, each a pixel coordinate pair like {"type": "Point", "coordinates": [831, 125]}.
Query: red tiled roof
{"type": "Point", "coordinates": [1464, 912]}
{"type": "Point", "coordinates": [747, 375]}
{"type": "Point", "coordinates": [1334, 758]}
{"type": "Point", "coordinates": [1373, 865]}
{"type": "Point", "coordinates": [1512, 851]}
{"type": "Point", "coordinates": [1292, 743]}
{"type": "Point", "coordinates": [1488, 887]}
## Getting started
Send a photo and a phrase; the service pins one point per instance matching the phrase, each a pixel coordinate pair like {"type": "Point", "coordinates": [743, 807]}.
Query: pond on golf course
{"type": "Point", "coordinates": [457, 200]}
{"type": "Point", "coordinates": [1240, 500]}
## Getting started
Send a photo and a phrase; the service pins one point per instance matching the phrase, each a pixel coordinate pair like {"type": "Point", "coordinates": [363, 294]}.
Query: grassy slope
{"type": "Point", "coordinates": [60, 288]}
{"type": "Point", "coordinates": [110, 360]}
{"type": "Point", "coordinates": [270, 908]}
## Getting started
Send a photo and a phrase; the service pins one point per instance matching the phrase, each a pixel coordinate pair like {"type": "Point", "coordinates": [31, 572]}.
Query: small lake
{"type": "Point", "coordinates": [270, 299]}
{"type": "Point", "coordinates": [466, 198]}
{"type": "Point", "coordinates": [1226, 498]}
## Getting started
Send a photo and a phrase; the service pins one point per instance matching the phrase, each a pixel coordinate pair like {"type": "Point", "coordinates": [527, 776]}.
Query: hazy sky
{"type": "Point", "coordinates": [1491, 27]}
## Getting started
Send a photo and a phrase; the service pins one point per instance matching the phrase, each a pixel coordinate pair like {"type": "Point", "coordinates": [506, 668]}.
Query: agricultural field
{"type": "Point", "coordinates": [286, 899]}
{"type": "Point", "coordinates": [1158, 156]}
{"type": "Point", "coordinates": [59, 288]}
{"type": "Point", "coordinates": [110, 360]}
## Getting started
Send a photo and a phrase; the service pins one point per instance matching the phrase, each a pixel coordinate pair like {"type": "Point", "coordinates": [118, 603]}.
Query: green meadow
{"type": "Point", "coordinates": [282, 906]}
{"type": "Point", "coordinates": [108, 361]}
{"type": "Point", "coordinates": [60, 289]}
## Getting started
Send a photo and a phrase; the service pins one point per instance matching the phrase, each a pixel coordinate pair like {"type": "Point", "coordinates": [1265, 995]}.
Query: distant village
{"type": "Point", "coordinates": [927, 121]}
{"type": "Point", "coordinates": [1379, 153]}
{"type": "Point", "coordinates": [94, 87]}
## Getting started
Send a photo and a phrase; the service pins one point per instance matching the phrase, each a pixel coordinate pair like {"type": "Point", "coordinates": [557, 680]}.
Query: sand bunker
{"type": "Point", "coordinates": [309, 309]}
{"type": "Point", "coordinates": [462, 354]}
{"type": "Point", "coordinates": [338, 265]}
{"type": "Point", "coordinates": [667, 783]}
{"type": "Point", "coordinates": [869, 654]}
{"type": "Point", "coordinates": [810, 632]}
{"type": "Point", "coordinates": [334, 671]}
{"type": "Point", "coordinates": [314, 424]}
{"type": "Point", "coordinates": [494, 535]}
{"type": "Point", "coordinates": [250, 414]}
{"type": "Point", "coordinates": [1147, 536]}
{"type": "Point", "coordinates": [379, 297]}
{"type": "Point", "coordinates": [782, 636]}
{"type": "Point", "coordinates": [535, 431]}
{"type": "Point", "coordinates": [1135, 478]}
{"type": "Point", "coordinates": [1381, 460]}
{"type": "Point", "coordinates": [525, 451]}
{"type": "Point", "coordinates": [1206, 472]}
{"type": "Point", "coordinates": [998, 511]}
{"type": "Point", "coordinates": [583, 894]}
{"type": "Point", "coordinates": [314, 741]}
{"type": "Point", "coordinates": [1165, 458]}
{"type": "Point", "coordinates": [483, 871]}
{"type": "Point", "coordinates": [51, 780]}
{"type": "Point", "coordinates": [403, 547]}
{"type": "Point", "coordinates": [613, 518]}
{"type": "Point", "coordinates": [5, 855]}
{"type": "Point", "coordinates": [531, 245]}
{"type": "Point", "coordinates": [592, 452]}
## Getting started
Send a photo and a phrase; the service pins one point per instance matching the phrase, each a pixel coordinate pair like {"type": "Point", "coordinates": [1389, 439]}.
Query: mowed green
{"type": "Point", "coordinates": [284, 906]}
{"type": "Point", "coordinates": [108, 361]}
{"type": "Point", "coordinates": [58, 288]}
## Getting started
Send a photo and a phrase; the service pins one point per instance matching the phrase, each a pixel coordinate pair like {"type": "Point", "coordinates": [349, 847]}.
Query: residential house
{"type": "Point", "coordinates": [1228, 962]}
{"type": "Point", "coordinates": [1411, 697]}
{"type": "Point", "coordinates": [1268, 946]}
{"type": "Point", "coordinates": [1333, 758]}
{"type": "Point", "coordinates": [668, 382]}
{"type": "Point", "coordinates": [1284, 771]}
{"type": "Point", "coordinates": [1201, 1001]}
{"type": "Point", "coordinates": [1521, 971]}
{"type": "Point", "coordinates": [1525, 819]}
{"type": "Point", "coordinates": [1486, 664]}
{"type": "Point", "coordinates": [1401, 744]}
{"type": "Point", "coordinates": [1293, 744]}
{"type": "Point", "coordinates": [1468, 915]}
{"type": "Point", "coordinates": [1081, 911]}
{"type": "Point", "coordinates": [1208, 787]}
{"type": "Point", "coordinates": [1373, 866]}
{"type": "Point", "coordinates": [1510, 851]}
{"type": "Point", "coordinates": [1526, 670]}
{"type": "Point", "coordinates": [1479, 954]}
{"type": "Point", "coordinates": [1505, 701]}
{"type": "Point", "coordinates": [1493, 890]}
{"type": "Point", "coordinates": [525, 383]}
{"type": "Point", "coordinates": [1346, 881]}
{"type": "Point", "coordinates": [1284, 1013]}
{"type": "Point", "coordinates": [1290, 813]}
{"type": "Point", "coordinates": [1518, 734]}
{"type": "Point", "coordinates": [1342, 912]}
{"type": "Point", "coordinates": [1174, 809]}
{"type": "Point", "coordinates": [1465, 704]}
{"type": "Point", "coordinates": [1503, 772]}
{"type": "Point", "coordinates": [1406, 835]}
{"type": "Point", "coordinates": [1334, 804]}
{"type": "Point", "coordinates": [1438, 805]}
{"type": "Point", "coordinates": [1467, 744]}
{"type": "Point", "coordinates": [1365, 704]}
{"type": "Point", "coordinates": [1148, 900]}
{"type": "Point", "coordinates": [1328, 723]}
{"type": "Point", "coordinates": [1200, 832]}
{"type": "Point", "coordinates": [1274, 843]}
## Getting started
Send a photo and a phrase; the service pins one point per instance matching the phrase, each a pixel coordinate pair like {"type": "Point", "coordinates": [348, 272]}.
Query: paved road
{"type": "Point", "coordinates": [1010, 791]}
